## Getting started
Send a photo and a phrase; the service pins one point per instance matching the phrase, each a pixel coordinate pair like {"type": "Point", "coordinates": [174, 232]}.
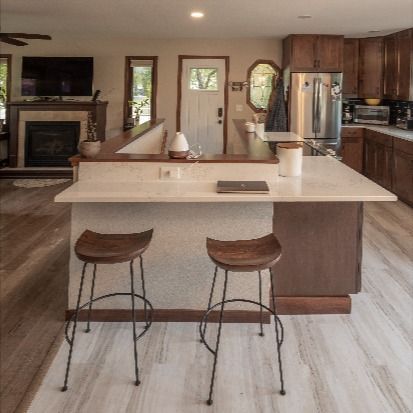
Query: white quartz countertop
{"type": "Point", "coordinates": [324, 179]}
{"type": "Point", "coordinates": [281, 137]}
{"type": "Point", "coordinates": [389, 130]}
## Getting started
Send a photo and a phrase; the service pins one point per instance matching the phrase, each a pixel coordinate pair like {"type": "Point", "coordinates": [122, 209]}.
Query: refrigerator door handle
{"type": "Point", "coordinates": [319, 82]}
{"type": "Point", "coordinates": [314, 119]}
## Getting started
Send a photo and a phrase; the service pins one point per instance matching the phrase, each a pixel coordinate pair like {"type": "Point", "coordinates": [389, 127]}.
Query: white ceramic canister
{"type": "Point", "coordinates": [290, 156]}
{"type": "Point", "coordinates": [250, 127]}
{"type": "Point", "coordinates": [179, 147]}
{"type": "Point", "coordinates": [260, 129]}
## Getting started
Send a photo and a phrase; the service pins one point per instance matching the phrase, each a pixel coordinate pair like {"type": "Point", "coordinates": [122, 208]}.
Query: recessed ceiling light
{"type": "Point", "coordinates": [197, 14]}
{"type": "Point", "coordinates": [374, 31]}
{"type": "Point", "coordinates": [305, 16]}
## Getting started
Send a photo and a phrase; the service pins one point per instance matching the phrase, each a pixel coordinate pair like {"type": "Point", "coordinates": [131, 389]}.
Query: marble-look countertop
{"type": "Point", "coordinates": [281, 137]}
{"type": "Point", "coordinates": [389, 130]}
{"type": "Point", "coordinates": [323, 179]}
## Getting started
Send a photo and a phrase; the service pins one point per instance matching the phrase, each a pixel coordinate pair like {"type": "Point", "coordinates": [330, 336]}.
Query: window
{"type": "Point", "coordinates": [262, 76]}
{"type": "Point", "coordinates": [5, 76]}
{"type": "Point", "coordinates": [203, 78]}
{"type": "Point", "coordinates": [140, 94]}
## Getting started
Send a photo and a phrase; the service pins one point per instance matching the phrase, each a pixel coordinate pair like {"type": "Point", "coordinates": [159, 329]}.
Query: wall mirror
{"type": "Point", "coordinates": [262, 77]}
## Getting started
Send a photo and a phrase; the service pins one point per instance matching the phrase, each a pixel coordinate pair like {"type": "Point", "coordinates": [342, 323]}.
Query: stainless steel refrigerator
{"type": "Point", "coordinates": [315, 105]}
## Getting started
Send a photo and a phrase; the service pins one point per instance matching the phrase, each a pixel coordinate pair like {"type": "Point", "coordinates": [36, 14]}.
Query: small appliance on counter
{"type": "Point", "coordinates": [347, 113]}
{"type": "Point", "coordinates": [405, 117]}
{"type": "Point", "coordinates": [373, 115]}
{"type": "Point", "coordinates": [179, 148]}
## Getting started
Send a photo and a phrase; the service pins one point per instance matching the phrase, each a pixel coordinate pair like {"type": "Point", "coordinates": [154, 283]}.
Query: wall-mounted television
{"type": "Point", "coordinates": [57, 76]}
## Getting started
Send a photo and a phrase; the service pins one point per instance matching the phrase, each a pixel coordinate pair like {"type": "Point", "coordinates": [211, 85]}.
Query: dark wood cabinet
{"type": "Point", "coordinates": [378, 154]}
{"type": "Point", "coordinates": [350, 67]}
{"type": "Point", "coordinates": [390, 67]}
{"type": "Point", "coordinates": [405, 60]}
{"type": "Point", "coordinates": [403, 170]}
{"type": "Point", "coordinates": [313, 53]}
{"type": "Point", "coordinates": [352, 148]}
{"type": "Point", "coordinates": [371, 67]}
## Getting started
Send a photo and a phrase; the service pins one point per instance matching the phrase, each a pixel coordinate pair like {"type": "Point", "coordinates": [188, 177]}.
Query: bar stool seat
{"type": "Point", "coordinates": [96, 248]}
{"type": "Point", "coordinates": [245, 255]}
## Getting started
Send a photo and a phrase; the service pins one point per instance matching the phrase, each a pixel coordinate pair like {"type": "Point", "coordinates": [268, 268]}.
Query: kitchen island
{"type": "Point", "coordinates": [317, 217]}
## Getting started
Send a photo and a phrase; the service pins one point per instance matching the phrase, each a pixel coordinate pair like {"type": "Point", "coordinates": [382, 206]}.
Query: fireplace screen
{"type": "Point", "coordinates": [51, 143]}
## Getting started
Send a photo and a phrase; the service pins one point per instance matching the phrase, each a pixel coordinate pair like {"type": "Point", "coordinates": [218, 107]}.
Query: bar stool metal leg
{"type": "Point", "coordinates": [135, 351]}
{"type": "Point", "coordinates": [144, 292]}
{"type": "Point", "coordinates": [211, 388]}
{"type": "Point", "coordinates": [282, 391]}
{"type": "Point", "coordinates": [92, 290]}
{"type": "Point", "coordinates": [260, 295]}
{"type": "Point", "coordinates": [72, 341]}
{"type": "Point", "coordinates": [211, 294]}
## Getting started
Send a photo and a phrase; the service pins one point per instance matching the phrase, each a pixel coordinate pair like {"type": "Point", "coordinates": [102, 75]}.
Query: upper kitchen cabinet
{"type": "Point", "coordinates": [351, 68]}
{"type": "Point", "coordinates": [390, 67]}
{"type": "Point", "coordinates": [405, 58]}
{"type": "Point", "coordinates": [313, 53]}
{"type": "Point", "coordinates": [371, 67]}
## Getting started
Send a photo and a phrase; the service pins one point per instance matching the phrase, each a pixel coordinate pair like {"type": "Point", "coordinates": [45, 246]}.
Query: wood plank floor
{"type": "Point", "coordinates": [34, 246]}
{"type": "Point", "coordinates": [358, 363]}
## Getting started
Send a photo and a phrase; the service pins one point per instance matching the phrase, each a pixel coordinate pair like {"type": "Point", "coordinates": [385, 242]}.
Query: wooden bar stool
{"type": "Point", "coordinates": [243, 256]}
{"type": "Point", "coordinates": [94, 248]}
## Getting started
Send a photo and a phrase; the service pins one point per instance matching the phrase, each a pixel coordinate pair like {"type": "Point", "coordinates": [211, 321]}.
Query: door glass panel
{"type": "Point", "coordinates": [203, 78]}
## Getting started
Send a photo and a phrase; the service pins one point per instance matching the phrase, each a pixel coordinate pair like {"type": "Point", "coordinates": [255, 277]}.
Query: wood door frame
{"type": "Point", "coordinates": [181, 58]}
{"type": "Point", "coordinates": [8, 58]}
{"type": "Point", "coordinates": [128, 85]}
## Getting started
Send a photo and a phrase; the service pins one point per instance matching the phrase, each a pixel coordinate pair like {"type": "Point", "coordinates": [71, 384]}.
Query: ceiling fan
{"type": "Point", "coordinates": [12, 38]}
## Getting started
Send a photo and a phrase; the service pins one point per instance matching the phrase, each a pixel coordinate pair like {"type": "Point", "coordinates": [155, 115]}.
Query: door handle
{"type": "Point", "coordinates": [220, 112]}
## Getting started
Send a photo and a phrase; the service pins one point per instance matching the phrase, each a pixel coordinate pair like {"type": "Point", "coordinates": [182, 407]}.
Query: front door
{"type": "Point", "coordinates": [202, 114]}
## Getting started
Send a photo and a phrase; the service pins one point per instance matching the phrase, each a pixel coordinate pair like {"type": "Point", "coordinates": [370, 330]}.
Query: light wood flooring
{"type": "Point", "coordinates": [34, 247]}
{"type": "Point", "coordinates": [358, 363]}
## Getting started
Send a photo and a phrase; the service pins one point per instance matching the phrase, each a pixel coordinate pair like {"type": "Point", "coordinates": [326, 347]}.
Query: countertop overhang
{"type": "Point", "coordinates": [324, 179]}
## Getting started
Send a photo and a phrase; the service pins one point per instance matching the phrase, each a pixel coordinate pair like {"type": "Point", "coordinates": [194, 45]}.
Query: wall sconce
{"type": "Point", "coordinates": [237, 86]}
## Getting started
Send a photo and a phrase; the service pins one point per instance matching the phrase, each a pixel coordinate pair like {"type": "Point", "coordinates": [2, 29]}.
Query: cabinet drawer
{"type": "Point", "coordinates": [403, 145]}
{"type": "Point", "coordinates": [379, 137]}
{"type": "Point", "coordinates": [352, 132]}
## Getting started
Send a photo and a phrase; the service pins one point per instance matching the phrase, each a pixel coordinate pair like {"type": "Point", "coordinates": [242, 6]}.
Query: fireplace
{"type": "Point", "coordinates": [50, 143]}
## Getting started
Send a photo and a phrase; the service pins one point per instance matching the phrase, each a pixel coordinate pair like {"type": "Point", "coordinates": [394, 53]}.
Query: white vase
{"type": "Point", "coordinates": [89, 149]}
{"type": "Point", "coordinates": [179, 147]}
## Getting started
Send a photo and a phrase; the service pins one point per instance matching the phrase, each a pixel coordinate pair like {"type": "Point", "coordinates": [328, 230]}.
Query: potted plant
{"type": "Point", "coordinates": [138, 107]}
{"type": "Point", "coordinates": [90, 147]}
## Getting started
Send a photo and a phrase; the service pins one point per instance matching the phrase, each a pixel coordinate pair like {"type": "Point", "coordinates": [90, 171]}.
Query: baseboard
{"type": "Point", "coordinates": [313, 305]}
{"type": "Point", "coordinates": [173, 315]}
{"type": "Point", "coordinates": [285, 306]}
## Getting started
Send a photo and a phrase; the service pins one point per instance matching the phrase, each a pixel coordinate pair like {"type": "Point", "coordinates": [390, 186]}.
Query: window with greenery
{"type": "Point", "coordinates": [5, 76]}
{"type": "Point", "coordinates": [262, 76]}
{"type": "Point", "coordinates": [203, 78]}
{"type": "Point", "coordinates": [140, 94]}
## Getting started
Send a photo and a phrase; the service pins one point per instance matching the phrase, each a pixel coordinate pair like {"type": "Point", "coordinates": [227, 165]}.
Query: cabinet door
{"type": "Point", "coordinates": [369, 162]}
{"type": "Point", "coordinates": [403, 176]}
{"type": "Point", "coordinates": [383, 167]}
{"type": "Point", "coordinates": [330, 53]}
{"type": "Point", "coordinates": [390, 67]}
{"type": "Point", "coordinates": [352, 153]}
{"type": "Point", "coordinates": [351, 67]}
{"type": "Point", "coordinates": [405, 53]}
{"type": "Point", "coordinates": [303, 53]}
{"type": "Point", "coordinates": [371, 68]}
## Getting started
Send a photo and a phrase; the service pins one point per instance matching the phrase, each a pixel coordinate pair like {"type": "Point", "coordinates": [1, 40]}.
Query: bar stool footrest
{"type": "Point", "coordinates": [237, 300]}
{"type": "Point", "coordinates": [145, 300]}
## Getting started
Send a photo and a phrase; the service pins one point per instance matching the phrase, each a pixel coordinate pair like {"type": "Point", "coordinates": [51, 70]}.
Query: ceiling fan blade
{"type": "Point", "coordinates": [14, 42]}
{"type": "Point", "coordinates": [27, 36]}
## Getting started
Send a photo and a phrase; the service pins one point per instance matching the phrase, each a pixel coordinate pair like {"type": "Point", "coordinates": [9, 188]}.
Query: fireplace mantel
{"type": "Point", "coordinates": [97, 108]}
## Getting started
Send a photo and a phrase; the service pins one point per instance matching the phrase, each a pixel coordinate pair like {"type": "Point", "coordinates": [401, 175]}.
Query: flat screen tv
{"type": "Point", "coordinates": [57, 76]}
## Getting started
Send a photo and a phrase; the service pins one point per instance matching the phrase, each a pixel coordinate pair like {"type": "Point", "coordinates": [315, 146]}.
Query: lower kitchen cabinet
{"type": "Point", "coordinates": [378, 154]}
{"type": "Point", "coordinates": [403, 170]}
{"type": "Point", "coordinates": [352, 148]}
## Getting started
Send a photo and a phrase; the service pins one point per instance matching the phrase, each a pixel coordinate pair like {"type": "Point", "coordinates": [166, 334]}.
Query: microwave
{"type": "Point", "coordinates": [375, 115]}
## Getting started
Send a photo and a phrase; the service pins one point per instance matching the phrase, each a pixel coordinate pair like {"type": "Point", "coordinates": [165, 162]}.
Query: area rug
{"type": "Point", "coordinates": [38, 183]}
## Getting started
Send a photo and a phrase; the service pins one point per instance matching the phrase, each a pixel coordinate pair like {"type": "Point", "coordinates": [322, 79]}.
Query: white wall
{"type": "Point", "coordinates": [109, 55]}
